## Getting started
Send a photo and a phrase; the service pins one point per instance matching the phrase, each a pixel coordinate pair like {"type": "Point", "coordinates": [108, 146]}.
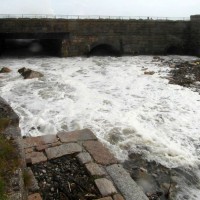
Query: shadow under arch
{"type": "Point", "coordinates": [104, 50]}
{"type": "Point", "coordinates": [175, 50]}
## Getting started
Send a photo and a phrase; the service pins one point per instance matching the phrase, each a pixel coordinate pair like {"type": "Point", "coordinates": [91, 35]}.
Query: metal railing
{"type": "Point", "coordinates": [49, 16]}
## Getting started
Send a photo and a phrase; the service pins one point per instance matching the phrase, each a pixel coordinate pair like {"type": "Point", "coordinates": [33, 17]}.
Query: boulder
{"type": "Point", "coordinates": [9, 120]}
{"type": "Point", "coordinates": [29, 73]}
{"type": "Point", "coordinates": [5, 70]}
{"type": "Point", "coordinates": [149, 73]}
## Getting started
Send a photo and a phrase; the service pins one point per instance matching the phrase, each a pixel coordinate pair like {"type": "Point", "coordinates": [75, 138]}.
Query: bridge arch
{"type": "Point", "coordinates": [104, 49]}
{"type": "Point", "coordinates": [175, 50]}
{"type": "Point", "coordinates": [175, 46]}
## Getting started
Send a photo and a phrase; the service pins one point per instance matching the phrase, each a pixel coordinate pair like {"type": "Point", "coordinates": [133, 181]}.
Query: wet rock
{"type": "Point", "coordinates": [186, 74]}
{"type": "Point", "coordinates": [5, 70]}
{"type": "Point", "coordinates": [149, 73]}
{"type": "Point", "coordinates": [9, 120]}
{"type": "Point", "coordinates": [29, 74]}
{"type": "Point", "coordinates": [158, 58]}
{"type": "Point", "coordinates": [152, 177]}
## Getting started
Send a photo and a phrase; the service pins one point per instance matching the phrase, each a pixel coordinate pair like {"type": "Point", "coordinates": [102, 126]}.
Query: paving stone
{"type": "Point", "coordinates": [84, 158]}
{"type": "Point", "coordinates": [64, 149]}
{"type": "Point", "coordinates": [36, 157]}
{"type": "Point", "coordinates": [105, 198]}
{"type": "Point", "coordinates": [40, 140]}
{"type": "Point", "coordinates": [42, 147]}
{"type": "Point", "coordinates": [56, 144]}
{"type": "Point", "coordinates": [118, 197]}
{"type": "Point", "coordinates": [105, 187]}
{"type": "Point", "coordinates": [126, 185]}
{"type": "Point", "coordinates": [100, 153]}
{"type": "Point", "coordinates": [95, 170]}
{"type": "Point", "coordinates": [28, 150]}
{"type": "Point", "coordinates": [35, 196]}
{"type": "Point", "coordinates": [74, 136]}
{"type": "Point", "coordinates": [33, 185]}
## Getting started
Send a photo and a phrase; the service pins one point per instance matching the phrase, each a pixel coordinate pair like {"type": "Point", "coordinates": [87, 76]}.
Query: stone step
{"type": "Point", "coordinates": [111, 179]}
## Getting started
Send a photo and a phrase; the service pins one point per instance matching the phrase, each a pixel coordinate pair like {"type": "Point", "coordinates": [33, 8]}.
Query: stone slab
{"type": "Point", "coordinates": [105, 187]}
{"type": "Point", "coordinates": [56, 144]}
{"type": "Point", "coordinates": [33, 185]}
{"type": "Point", "coordinates": [126, 185]}
{"type": "Point", "coordinates": [36, 157]}
{"type": "Point", "coordinates": [105, 198]}
{"type": "Point", "coordinates": [118, 197]}
{"type": "Point", "coordinates": [28, 150]}
{"type": "Point", "coordinates": [95, 170]}
{"type": "Point", "coordinates": [84, 158]}
{"type": "Point", "coordinates": [42, 147]}
{"type": "Point", "coordinates": [40, 140]}
{"type": "Point", "coordinates": [64, 149]}
{"type": "Point", "coordinates": [100, 153]}
{"type": "Point", "coordinates": [74, 136]}
{"type": "Point", "coordinates": [35, 196]}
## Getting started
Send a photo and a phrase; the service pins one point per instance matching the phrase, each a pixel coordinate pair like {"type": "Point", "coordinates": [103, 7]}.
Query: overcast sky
{"type": "Point", "coordinates": [159, 8]}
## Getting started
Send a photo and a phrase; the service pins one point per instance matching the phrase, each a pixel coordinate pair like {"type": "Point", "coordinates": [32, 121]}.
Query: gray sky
{"type": "Point", "coordinates": [160, 8]}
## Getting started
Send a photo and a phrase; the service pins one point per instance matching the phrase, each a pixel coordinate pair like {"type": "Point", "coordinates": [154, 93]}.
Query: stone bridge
{"type": "Point", "coordinates": [77, 37]}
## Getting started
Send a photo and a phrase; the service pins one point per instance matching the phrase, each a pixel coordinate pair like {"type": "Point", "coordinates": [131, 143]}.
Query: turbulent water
{"type": "Point", "coordinates": [126, 109]}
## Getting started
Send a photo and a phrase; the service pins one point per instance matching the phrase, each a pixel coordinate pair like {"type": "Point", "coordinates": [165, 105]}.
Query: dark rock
{"type": "Point", "coordinates": [5, 70]}
{"type": "Point", "coordinates": [157, 181]}
{"type": "Point", "coordinates": [149, 73]}
{"type": "Point", "coordinates": [186, 74]}
{"type": "Point", "coordinates": [9, 120]}
{"type": "Point", "coordinates": [29, 74]}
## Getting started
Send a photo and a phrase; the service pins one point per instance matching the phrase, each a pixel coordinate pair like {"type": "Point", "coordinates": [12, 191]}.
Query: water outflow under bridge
{"type": "Point", "coordinates": [76, 37]}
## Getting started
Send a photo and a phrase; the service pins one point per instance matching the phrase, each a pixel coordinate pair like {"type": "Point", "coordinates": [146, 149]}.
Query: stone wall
{"type": "Point", "coordinates": [195, 34]}
{"type": "Point", "coordinates": [129, 37]}
{"type": "Point", "coordinates": [79, 37]}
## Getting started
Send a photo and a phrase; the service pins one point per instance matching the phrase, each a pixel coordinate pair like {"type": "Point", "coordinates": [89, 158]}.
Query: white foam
{"type": "Point", "coordinates": [126, 109]}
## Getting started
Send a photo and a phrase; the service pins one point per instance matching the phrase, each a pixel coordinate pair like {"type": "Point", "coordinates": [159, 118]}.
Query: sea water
{"type": "Point", "coordinates": [127, 110]}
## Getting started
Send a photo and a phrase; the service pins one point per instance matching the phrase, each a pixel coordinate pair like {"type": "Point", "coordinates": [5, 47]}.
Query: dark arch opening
{"type": "Point", "coordinates": [175, 50]}
{"type": "Point", "coordinates": [104, 50]}
{"type": "Point", "coordinates": [30, 47]}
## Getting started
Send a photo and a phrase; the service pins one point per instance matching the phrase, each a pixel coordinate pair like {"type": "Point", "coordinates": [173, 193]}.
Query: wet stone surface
{"type": "Point", "coordinates": [157, 181]}
{"type": "Point", "coordinates": [64, 179]}
{"type": "Point", "coordinates": [186, 74]}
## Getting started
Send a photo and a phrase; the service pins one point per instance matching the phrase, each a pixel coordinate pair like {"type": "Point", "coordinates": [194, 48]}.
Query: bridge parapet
{"type": "Point", "coordinates": [98, 17]}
